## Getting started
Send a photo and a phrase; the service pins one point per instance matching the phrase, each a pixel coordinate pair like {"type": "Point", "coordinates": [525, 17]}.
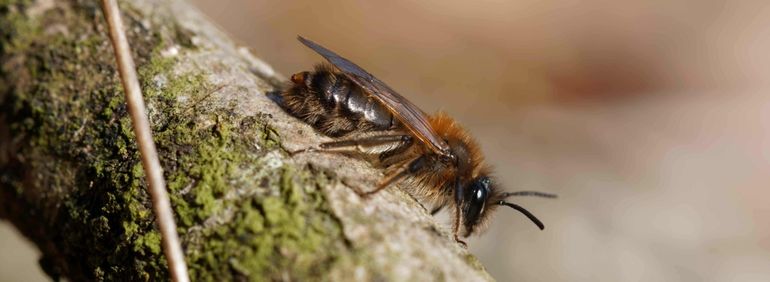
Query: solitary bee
{"type": "Point", "coordinates": [434, 155]}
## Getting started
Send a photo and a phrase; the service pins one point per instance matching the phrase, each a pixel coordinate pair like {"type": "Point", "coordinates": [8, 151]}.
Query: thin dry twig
{"type": "Point", "coordinates": [152, 169]}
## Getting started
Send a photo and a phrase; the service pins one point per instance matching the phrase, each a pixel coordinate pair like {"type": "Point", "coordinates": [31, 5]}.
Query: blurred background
{"type": "Point", "coordinates": [650, 119]}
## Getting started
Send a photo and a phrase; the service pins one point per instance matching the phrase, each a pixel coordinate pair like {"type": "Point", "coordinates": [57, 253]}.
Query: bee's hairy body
{"type": "Point", "coordinates": [337, 107]}
{"type": "Point", "coordinates": [439, 161]}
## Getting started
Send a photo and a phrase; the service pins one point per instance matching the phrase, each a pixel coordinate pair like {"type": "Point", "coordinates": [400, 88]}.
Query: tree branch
{"type": "Point", "coordinates": [72, 182]}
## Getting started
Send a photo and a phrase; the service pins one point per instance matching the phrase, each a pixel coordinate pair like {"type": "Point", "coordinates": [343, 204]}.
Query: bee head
{"type": "Point", "coordinates": [480, 198]}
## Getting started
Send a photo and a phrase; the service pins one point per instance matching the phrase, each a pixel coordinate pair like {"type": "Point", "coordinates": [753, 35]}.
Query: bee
{"type": "Point", "coordinates": [439, 161]}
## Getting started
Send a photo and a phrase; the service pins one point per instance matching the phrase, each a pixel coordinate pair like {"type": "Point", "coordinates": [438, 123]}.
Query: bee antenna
{"type": "Point", "coordinates": [528, 194]}
{"type": "Point", "coordinates": [525, 212]}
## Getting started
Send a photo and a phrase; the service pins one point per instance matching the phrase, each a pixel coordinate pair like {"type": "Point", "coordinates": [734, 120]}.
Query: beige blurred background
{"type": "Point", "coordinates": [650, 119]}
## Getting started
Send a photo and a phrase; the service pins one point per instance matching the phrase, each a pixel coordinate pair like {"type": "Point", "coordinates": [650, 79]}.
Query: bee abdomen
{"type": "Point", "coordinates": [333, 104]}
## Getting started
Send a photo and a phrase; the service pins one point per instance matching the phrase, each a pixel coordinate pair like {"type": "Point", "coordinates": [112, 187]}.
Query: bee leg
{"type": "Point", "coordinates": [317, 150]}
{"type": "Point", "coordinates": [457, 228]}
{"type": "Point", "coordinates": [403, 171]}
{"type": "Point", "coordinates": [396, 155]}
{"type": "Point", "coordinates": [389, 179]}
{"type": "Point", "coordinates": [458, 213]}
{"type": "Point", "coordinates": [368, 141]}
{"type": "Point", "coordinates": [355, 186]}
{"type": "Point", "coordinates": [462, 243]}
{"type": "Point", "coordinates": [378, 140]}
{"type": "Point", "coordinates": [302, 151]}
{"type": "Point", "coordinates": [437, 209]}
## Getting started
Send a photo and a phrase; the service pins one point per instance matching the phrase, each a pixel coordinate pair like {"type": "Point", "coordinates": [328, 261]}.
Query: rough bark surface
{"type": "Point", "coordinates": [71, 180]}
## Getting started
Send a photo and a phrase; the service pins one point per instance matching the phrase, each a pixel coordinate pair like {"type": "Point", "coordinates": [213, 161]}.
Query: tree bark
{"type": "Point", "coordinates": [71, 180]}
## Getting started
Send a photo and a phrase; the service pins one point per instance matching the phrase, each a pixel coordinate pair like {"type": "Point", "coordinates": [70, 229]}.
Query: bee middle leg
{"type": "Point", "coordinates": [396, 155]}
{"type": "Point", "coordinates": [408, 168]}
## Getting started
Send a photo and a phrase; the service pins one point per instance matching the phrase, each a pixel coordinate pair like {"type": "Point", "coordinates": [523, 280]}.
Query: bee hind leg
{"type": "Point", "coordinates": [395, 142]}
{"type": "Point", "coordinates": [389, 141]}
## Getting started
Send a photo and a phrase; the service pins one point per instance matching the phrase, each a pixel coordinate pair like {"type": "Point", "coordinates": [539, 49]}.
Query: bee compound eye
{"type": "Point", "coordinates": [477, 201]}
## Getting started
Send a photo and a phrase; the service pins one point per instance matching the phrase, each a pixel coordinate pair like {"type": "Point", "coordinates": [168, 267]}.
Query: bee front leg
{"type": "Point", "coordinates": [458, 212]}
{"type": "Point", "coordinates": [457, 228]}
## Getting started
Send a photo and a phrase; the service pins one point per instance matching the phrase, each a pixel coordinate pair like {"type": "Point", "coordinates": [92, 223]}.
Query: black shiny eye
{"type": "Point", "coordinates": [476, 198]}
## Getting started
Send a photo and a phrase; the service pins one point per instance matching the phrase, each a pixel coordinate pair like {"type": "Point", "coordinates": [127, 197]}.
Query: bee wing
{"type": "Point", "coordinates": [407, 113]}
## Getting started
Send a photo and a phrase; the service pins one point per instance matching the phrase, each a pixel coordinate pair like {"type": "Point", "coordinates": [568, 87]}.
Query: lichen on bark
{"type": "Point", "coordinates": [71, 180]}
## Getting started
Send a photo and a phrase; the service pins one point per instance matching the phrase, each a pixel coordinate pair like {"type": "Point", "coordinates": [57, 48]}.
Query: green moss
{"type": "Point", "coordinates": [16, 30]}
{"type": "Point", "coordinates": [291, 232]}
{"type": "Point", "coordinates": [67, 105]}
{"type": "Point", "coordinates": [148, 242]}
